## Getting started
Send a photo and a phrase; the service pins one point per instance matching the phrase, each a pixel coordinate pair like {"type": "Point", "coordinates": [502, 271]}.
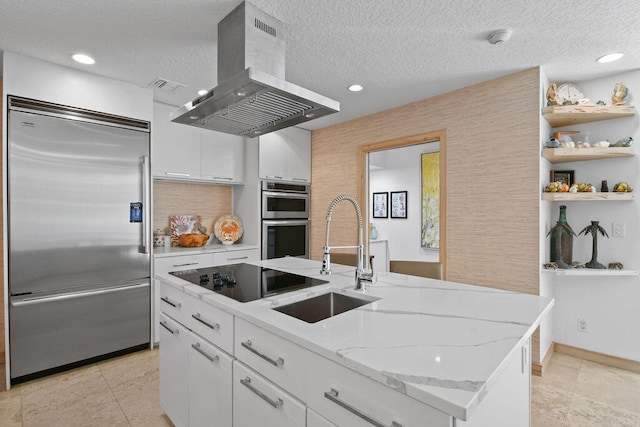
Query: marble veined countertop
{"type": "Point", "coordinates": [442, 343]}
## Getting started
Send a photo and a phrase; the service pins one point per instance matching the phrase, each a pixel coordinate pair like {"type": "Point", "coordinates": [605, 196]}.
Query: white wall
{"type": "Point", "coordinates": [610, 305]}
{"type": "Point", "coordinates": [31, 78]}
{"type": "Point", "coordinates": [399, 170]}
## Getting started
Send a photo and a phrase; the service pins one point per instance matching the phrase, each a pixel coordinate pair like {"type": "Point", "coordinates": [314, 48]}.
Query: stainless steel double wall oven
{"type": "Point", "coordinates": [285, 219]}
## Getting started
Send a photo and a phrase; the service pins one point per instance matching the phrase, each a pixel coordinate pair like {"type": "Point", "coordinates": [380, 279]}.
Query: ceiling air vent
{"type": "Point", "coordinates": [165, 85]}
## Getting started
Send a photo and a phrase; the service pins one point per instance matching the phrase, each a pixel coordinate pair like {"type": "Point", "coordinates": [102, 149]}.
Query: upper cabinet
{"type": "Point", "coordinates": [187, 153]}
{"type": "Point", "coordinates": [286, 155]}
{"type": "Point", "coordinates": [222, 157]}
{"type": "Point", "coordinates": [175, 148]}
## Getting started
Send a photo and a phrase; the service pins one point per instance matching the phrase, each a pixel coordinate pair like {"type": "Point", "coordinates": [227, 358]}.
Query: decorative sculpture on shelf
{"type": "Point", "coordinates": [619, 94]}
{"type": "Point", "coordinates": [594, 228]}
{"type": "Point", "coordinates": [552, 97]}
{"type": "Point", "coordinates": [561, 241]}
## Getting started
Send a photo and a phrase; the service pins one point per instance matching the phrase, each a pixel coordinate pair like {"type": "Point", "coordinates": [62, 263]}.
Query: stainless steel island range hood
{"type": "Point", "coordinates": [252, 98]}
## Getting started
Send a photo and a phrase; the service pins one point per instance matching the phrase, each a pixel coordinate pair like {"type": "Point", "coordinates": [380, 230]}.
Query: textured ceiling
{"type": "Point", "coordinates": [400, 50]}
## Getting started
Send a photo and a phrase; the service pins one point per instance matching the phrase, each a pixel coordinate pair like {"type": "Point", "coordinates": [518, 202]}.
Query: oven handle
{"type": "Point", "coordinates": [285, 195]}
{"type": "Point", "coordinates": [285, 222]}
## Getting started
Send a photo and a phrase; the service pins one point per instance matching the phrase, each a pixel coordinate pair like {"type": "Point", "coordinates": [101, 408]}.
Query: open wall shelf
{"type": "Point", "coordinates": [567, 115]}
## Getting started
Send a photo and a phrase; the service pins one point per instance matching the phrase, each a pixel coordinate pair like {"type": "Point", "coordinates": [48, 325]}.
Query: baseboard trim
{"type": "Point", "coordinates": [539, 368]}
{"type": "Point", "coordinates": [605, 359]}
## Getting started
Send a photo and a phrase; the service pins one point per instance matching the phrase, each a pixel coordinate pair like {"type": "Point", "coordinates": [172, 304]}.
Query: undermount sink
{"type": "Point", "coordinates": [322, 307]}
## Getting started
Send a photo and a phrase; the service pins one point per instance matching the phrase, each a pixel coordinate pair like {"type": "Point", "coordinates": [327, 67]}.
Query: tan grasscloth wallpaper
{"type": "Point", "coordinates": [492, 174]}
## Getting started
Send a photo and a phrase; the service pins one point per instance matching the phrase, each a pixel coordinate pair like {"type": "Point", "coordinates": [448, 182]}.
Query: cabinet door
{"type": "Point", "coordinates": [174, 371]}
{"type": "Point", "coordinates": [222, 157]}
{"type": "Point", "coordinates": [258, 402]}
{"type": "Point", "coordinates": [508, 401]}
{"type": "Point", "coordinates": [175, 148]}
{"type": "Point", "coordinates": [298, 155]}
{"type": "Point", "coordinates": [210, 378]}
{"type": "Point", "coordinates": [273, 156]}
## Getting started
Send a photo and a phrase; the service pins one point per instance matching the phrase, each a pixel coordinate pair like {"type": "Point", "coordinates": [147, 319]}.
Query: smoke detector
{"type": "Point", "coordinates": [499, 37]}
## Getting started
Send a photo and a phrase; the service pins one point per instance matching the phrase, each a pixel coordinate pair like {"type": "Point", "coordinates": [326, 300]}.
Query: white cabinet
{"type": "Point", "coordinates": [175, 152]}
{"type": "Point", "coordinates": [276, 358]}
{"type": "Point", "coordinates": [222, 157]}
{"type": "Point", "coordinates": [234, 257]}
{"type": "Point", "coordinates": [258, 402]}
{"type": "Point", "coordinates": [211, 323]}
{"type": "Point", "coordinates": [315, 420]}
{"type": "Point", "coordinates": [174, 370]}
{"type": "Point", "coordinates": [347, 398]}
{"type": "Point", "coordinates": [186, 153]}
{"type": "Point", "coordinates": [210, 382]}
{"type": "Point", "coordinates": [286, 155]}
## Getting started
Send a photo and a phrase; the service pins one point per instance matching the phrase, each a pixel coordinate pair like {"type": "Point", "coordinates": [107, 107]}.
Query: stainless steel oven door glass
{"type": "Point", "coordinates": [285, 238]}
{"type": "Point", "coordinates": [285, 201]}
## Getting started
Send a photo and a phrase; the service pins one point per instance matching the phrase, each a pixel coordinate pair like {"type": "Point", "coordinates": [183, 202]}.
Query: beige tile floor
{"type": "Point", "coordinates": [576, 392]}
{"type": "Point", "coordinates": [124, 392]}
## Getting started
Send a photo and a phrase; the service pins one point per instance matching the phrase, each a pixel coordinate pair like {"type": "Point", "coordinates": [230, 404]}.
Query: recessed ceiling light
{"type": "Point", "coordinates": [202, 92]}
{"type": "Point", "coordinates": [355, 88]}
{"type": "Point", "coordinates": [83, 59]}
{"type": "Point", "coordinates": [610, 57]}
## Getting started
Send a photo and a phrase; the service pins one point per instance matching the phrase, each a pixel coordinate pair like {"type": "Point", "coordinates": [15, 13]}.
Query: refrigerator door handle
{"type": "Point", "coordinates": [81, 294]}
{"type": "Point", "coordinates": [146, 205]}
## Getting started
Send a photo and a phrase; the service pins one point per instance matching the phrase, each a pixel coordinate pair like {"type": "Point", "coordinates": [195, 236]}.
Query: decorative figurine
{"type": "Point", "coordinates": [552, 97]}
{"type": "Point", "coordinates": [594, 228]}
{"type": "Point", "coordinates": [601, 102]}
{"type": "Point", "coordinates": [619, 94]}
{"type": "Point", "coordinates": [624, 142]}
{"type": "Point", "coordinates": [604, 188]}
{"type": "Point", "coordinates": [553, 143]}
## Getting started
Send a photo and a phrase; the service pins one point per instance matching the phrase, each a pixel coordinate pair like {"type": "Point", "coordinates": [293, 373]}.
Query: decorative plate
{"type": "Point", "coordinates": [568, 92]}
{"type": "Point", "coordinates": [228, 229]}
{"type": "Point", "coordinates": [183, 224]}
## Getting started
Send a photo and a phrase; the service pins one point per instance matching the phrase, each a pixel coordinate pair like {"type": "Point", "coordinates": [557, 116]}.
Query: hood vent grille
{"type": "Point", "coordinates": [265, 27]}
{"type": "Point", "coordinates": [252, 98]}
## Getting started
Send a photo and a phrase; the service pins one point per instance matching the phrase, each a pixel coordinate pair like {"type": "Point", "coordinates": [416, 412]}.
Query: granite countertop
{"type": "Point", "coordinates": [442, 343]}
{"type": "Point", "coordinates": [211, 248]}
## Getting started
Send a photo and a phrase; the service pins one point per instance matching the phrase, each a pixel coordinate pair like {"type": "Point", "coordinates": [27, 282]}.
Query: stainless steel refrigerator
{"type": "Point", "coordinates": [78, 236]}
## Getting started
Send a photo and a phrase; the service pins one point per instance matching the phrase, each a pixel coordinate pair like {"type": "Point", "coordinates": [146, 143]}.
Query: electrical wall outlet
{"type": "Point", "coordinates": [582, 325]}
{"type": "Point", "coordinates": [618, 229]}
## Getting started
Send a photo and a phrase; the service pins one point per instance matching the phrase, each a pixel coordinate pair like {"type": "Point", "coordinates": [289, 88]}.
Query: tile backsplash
{"type": "Point", "coordinates": [174, 198]}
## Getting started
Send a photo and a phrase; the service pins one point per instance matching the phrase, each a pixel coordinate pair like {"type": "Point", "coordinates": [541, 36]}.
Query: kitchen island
{"type": "Point", "coordinates": [422, 352]}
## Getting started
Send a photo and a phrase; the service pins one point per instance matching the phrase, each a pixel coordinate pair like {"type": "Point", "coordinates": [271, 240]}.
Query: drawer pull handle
{"type": "Point", "coordinates": [204, 322]}
{"type": "Point", "coordinates": [171, 303]}
{"type": "Point", "coordinates": [333, 396]}
{"type": "Point", "coordinates": [277, 363]}
{"type": "Point", "coordinates": [226, 178]}
{"type": "Point", "coordinates": [164, 325]}
{"type": "Point", "coordinates": [185, 264]}
{"type": "Point", "coordinates": [237, 258]}
{"type": "Point", "coordinates": [277, 403]}
{"type": "Point", "coordinates": [214, 359]}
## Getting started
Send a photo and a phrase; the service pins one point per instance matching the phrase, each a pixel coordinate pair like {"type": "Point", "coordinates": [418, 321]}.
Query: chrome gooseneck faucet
{"type": "Point", "coordinates": [363, 274]}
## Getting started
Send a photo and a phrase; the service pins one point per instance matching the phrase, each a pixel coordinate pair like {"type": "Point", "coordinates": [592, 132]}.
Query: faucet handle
{"type": "Point", "coordinates": [326, 262]}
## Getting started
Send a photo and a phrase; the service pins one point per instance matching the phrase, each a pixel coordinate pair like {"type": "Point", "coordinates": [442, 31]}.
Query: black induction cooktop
{"type": "Point", "coordinates": [246, 282]}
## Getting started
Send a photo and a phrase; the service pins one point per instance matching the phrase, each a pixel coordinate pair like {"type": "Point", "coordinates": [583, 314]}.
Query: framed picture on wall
{"type": "Point", "coordinates": [380, 205]}
{"type": "Point", "coordinates": [398, 204]}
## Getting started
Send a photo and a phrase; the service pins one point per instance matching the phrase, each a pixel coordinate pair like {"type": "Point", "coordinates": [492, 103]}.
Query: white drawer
{"type": "Point", "coordinates": [281, 361]}
{"type": "Point", "coordinates": [258, 402]}
{"type": "Point", "coordinates": [235, 257]}
{"type": "Point", "coordinates": [171, 302]}
{"type": "Point", "coordinates": [347, 398]}
{"type": "Point", "coordinates": [183, 262]}
{"type": "Point", "coordinates": [209, 322]}
{"type": "Point", "coordinates": [315, 420]}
